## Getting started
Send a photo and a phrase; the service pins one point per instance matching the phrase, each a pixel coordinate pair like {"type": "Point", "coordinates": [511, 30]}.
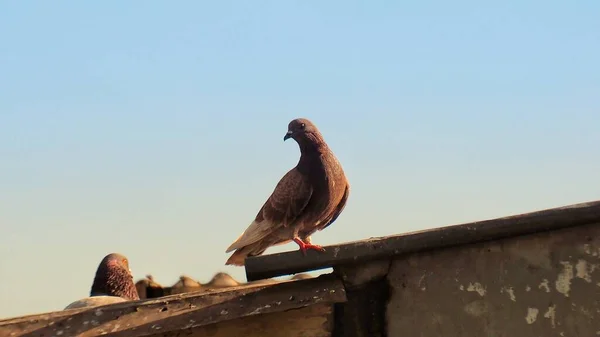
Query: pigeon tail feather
{"type": "Point", "coordinates": [238, 258]}
{"type": "Point", "coordinates": [253, 234]}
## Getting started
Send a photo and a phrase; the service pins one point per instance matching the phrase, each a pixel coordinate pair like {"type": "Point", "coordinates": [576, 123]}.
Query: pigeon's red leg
{"type": "Point", "coordinates": [306, 246]}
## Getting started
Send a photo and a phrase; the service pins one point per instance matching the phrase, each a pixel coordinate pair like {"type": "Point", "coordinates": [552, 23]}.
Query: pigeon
{"type": "Point", "coordinates": [308, 198]}
{"type": "Point", "coordinates": [186, 282]}
{"type": "Point", "coordinates": [222, 280]}
{"type": "Point", "coordinates": [113, 283]}
{"type": "Point", "coordinates": [185, 285]}
{"type": "Point", "coordinates": [148, 288]}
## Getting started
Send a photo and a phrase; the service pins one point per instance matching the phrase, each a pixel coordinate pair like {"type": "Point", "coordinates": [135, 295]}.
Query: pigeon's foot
{"type": "Point", "coordinates": [306, 246]}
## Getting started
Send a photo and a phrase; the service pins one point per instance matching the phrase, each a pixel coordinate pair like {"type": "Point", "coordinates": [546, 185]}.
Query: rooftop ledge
{"type": "Point", "coordinates": [267, 266]}
{"type": "Point", "coordinates": [171, 314]}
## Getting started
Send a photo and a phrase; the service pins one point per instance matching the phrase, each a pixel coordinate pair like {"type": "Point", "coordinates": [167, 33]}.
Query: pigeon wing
{"type": "Point", "coordinates": [339, 208]}
{"type": "Point", "coordinates": [286, 203]}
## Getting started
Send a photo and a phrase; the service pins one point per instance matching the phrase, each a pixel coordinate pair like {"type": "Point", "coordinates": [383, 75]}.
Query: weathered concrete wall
{"type": "Point", "coordinates": [544, 285]}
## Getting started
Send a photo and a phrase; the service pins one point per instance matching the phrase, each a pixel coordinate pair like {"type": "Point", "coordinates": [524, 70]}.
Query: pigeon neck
{"type": "Point", "coordinates": [311, 144]}
{"type": "Point", "coordinates": [114, 282]}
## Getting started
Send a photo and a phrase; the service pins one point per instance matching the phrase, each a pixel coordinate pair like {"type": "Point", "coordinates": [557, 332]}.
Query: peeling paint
{"type": "Point", "coordinates": [477, 287]}
{"type": "Point", "coordinates": [544, 285]}
{"type": "Point", "coordinates": [591, 250]}
{"type": "Point", "coordinates": [461, 287]}
{"type": "Point", "coordinates": [563, 281]}
{"type": "Point", "coordinates": [510, 291]}
{"type": "Point", "coordinates": [420, 285]}
{"type": "Point", "coordinates": [551, 314]}
{"type": "Point", "coordinates": [528, 288]}
{"type": "Point", "coordinates": [583, 270]}
{"type": "Point", "coordinates": [336, 251]}
{"type": "Point", "coordinates": [586, 312]}
{"type": "Point", "coordinates": [532, 314]}
{"type": "Point", "coordinates": [538, 257]}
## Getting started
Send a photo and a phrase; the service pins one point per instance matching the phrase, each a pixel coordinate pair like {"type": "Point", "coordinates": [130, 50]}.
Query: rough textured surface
{"type": "Point", "coordinates": [356, 275]}
{"type": "Point", "coordinates": [179, 312]}
{"type": "Point", "coordinates": [259, 267]}
{"type": "Point", "coordinates": [363, 314]}
{"type": "Point", "coordinates": [547, 284]}
{"type": "Point", "coordinates": [313, 321]}
{"type": "Point", "coordinates": [367, 290]}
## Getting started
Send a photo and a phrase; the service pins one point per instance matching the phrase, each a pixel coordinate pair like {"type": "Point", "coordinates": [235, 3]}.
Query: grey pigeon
{"type": "Point", "coordinates": [308, 198]}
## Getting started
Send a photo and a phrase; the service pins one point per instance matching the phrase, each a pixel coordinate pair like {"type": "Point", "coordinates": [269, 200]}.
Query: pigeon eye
{"type": "Point", "coordinates": [303, 125]}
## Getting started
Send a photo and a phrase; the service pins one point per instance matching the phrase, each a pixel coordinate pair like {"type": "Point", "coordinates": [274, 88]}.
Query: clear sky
{"type": "Point", "coordinates": [154, 128]}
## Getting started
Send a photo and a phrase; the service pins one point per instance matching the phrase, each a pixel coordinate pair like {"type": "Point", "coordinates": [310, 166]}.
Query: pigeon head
{"type": "Point", "coordinates": [113, 278]}
{"type": "Point", "coordinates": [304, 132]}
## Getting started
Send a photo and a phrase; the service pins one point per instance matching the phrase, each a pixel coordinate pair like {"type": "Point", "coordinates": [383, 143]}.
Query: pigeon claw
{"type": "Point", "coordinates": [306, 246]}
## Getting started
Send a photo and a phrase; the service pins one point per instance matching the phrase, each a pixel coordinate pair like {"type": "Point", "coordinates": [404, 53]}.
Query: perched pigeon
{"type": "Point", "coordinates": [113, 283]}
{"type": "Point", "coordinates": [148, 288]}
{"type": "Point", "coordinates": [185, 285]}
{"type": "Point", "coordinates": [222, 280]}
{"type": "Point", "coordinates": [308, 198]}
{"type": "Point", "coordinates": [186, 282]}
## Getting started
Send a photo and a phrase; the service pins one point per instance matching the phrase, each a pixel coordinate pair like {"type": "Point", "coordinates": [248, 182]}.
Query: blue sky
{"type": "Point", "coordinates": [155, 128]}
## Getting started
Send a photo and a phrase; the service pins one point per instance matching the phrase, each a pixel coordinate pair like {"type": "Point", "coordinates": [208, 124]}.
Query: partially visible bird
{"type": "Point", "coordinates": [113, 283]}
{"type": "Point", "coordinates": [148, 288]}
{"type": "Point", "coordinates": [308, 198]}
{"type": "Point", "coordinates": [186, 282]}
{"type": "Point", "coordinates": [222, 280]}
{"type": "Point", "coordinates": [185, 285]}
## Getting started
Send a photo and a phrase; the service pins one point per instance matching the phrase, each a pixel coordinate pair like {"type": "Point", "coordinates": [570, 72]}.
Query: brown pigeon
{"type": "Point", "coordinates": [148, 288]}
{"type": "Point", "coordinates": [308, 198]}
{"type": "Point", "coordinates": [113, 283]}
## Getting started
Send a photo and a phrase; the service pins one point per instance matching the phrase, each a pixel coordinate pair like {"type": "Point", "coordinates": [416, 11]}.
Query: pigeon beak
{"type": "Point", "coordinates": [287, 136]}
